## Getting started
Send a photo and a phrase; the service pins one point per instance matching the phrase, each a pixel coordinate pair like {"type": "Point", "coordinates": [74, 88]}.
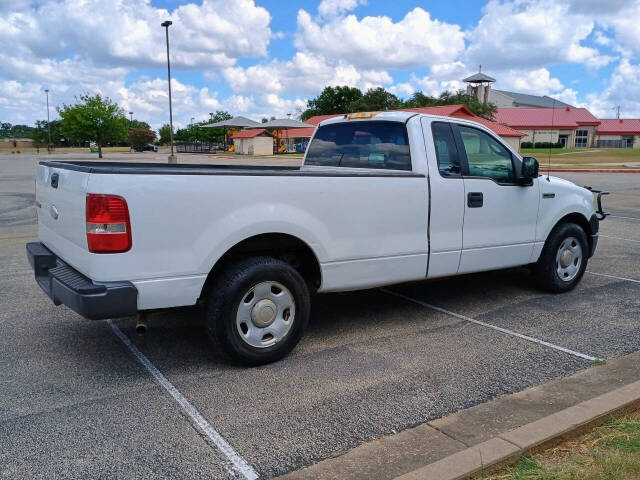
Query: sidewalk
{"type": "Point", "coordinates": [502, 429]}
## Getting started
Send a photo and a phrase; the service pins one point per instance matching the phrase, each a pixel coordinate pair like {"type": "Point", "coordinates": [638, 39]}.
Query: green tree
{"type": "Point", "coordinates": [94, 118]}
{"type": "Point", "coordinates": [19, 131]}
{"type": "Point", "coordinates": [195, 133]}
{"type": "Point", "coordinates": [40, 134]}
{"type": "Point", "coordinates": [214, 135]}
{"type": "Point", "coordinates": [164, 132]}
{"type": "Point", "coordinates": [5, 129]}
{"type": "Point", "coordinates": [485, 110]}
{"type": "Point", "coordinates": [419, 99]}
{"type": "Point", "coordinates": [375, 99]}
{"type": "Point", "coordinates": [332, 100]}
{"type": "Point", "coordinates": [139, 137]}
{"type": "Point", "coordinates": [140, 125]}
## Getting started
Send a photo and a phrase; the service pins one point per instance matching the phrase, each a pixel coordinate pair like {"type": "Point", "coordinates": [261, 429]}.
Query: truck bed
{"type": "Point", "coordinates": [132, 168]}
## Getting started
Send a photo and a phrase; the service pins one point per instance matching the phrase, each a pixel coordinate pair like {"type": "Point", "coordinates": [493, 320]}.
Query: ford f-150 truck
{"type": "Point", "coordinates": [381, 198]}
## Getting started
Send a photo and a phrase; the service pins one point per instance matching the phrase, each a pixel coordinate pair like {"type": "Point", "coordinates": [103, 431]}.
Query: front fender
{"type": "Point", "coordinates": [561, 198]}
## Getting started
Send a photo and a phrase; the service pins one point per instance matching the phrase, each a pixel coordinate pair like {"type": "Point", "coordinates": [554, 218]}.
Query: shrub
{"type": "Point", "coordinates": [526, 145]}
{"type": "Point", "coordinates": [547, 145]}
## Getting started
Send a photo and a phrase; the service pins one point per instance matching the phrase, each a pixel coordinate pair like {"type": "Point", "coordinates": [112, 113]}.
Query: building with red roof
{"type": "Point", "coordinates": [257, 141]}
{"type": "Point", "coordinates": [507, 133]}
{"type": "Point", "coordinates": [568, 126]}
{"type": "Point", "coordinates": [618, 133]}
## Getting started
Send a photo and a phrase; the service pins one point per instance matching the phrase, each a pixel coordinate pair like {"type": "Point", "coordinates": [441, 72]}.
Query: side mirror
{"type": "Point", "coordinates": [529, 171]}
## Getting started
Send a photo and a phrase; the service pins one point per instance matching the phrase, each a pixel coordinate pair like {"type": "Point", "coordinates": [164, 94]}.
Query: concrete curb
{"type": "Point", "coordinates": [515, 443]}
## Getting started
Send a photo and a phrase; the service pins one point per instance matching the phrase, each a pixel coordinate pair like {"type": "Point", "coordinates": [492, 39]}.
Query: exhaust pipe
{"type": "Point", "coordinates": [141, 324]}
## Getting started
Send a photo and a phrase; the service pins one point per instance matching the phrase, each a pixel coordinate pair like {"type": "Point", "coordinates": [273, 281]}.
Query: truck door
{"type": "Point", "coordinates": [446, 190]}
{"type": "Point", "coordinates": [499, 215]}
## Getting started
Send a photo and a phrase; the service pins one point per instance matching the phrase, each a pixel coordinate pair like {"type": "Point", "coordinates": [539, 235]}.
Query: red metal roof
{"type": "Point", "coordinates": [562, 118]}
{"type": "Point", "coordinates": [619, 126]}
{"type": "Point", "coordinates": [315, 120]}
{"type": "Point", "coordinates": [305, 132]}
{"type": "Point", "coordinates": [461, 111]}
{"type": "Point", "coordinates": [457, 111]}
{"type": "Point", "coordinates": [251, 133]}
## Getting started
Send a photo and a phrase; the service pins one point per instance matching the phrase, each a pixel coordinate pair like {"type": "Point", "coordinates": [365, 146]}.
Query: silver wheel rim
{"type": "Point", "coordinates": [265, 314]}
{"type": "Point", "coordinates": [568, 259]}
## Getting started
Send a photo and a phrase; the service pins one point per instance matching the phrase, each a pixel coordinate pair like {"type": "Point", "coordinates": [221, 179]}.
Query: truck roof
{"type": "Point", "coordinates": [458, 112]}
{"type": "Point", "coordinates": [390, 116]}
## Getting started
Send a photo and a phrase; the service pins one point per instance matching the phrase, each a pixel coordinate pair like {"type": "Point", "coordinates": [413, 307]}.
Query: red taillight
{"type": "Point", "coordinates": [108, 224]}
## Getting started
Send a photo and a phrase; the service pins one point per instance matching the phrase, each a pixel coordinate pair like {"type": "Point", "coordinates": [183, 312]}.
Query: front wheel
{"type": "Point", "coordinates": [257, 310]}
{"type": "Point", "coordinates": [563, 259]}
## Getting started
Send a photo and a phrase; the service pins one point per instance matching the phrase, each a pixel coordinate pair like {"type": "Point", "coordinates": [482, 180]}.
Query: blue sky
{"type": "Point", "coordinates": [268, 57]}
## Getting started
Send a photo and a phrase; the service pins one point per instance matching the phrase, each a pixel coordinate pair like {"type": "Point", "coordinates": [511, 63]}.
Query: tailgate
{"type": "Point", "coordinates": [60, 202]}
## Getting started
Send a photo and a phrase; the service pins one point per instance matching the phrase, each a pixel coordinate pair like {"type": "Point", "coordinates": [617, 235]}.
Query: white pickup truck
{"type": "Point", "coordinates": [381, 198]}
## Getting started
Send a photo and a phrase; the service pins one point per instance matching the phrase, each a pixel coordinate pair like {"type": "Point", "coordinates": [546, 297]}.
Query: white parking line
{"type": "Point", "coordinates": [238, 463]}
{"type": "Point", "coordinates": [613, 276]}
{"type": "Point", "coordinates": [494, 327]}
{"type": "Point", "coordinates": [620, 238]}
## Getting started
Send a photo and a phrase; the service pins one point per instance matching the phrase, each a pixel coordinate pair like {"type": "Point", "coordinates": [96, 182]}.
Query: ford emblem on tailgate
{"type": "Point", "coordinates": [54, 212]}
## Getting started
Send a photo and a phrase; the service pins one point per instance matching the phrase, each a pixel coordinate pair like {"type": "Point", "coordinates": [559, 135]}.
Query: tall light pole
{"type": "Point", "coordinates": [211, 116]}
{"type": "Point", "coordinates": [46, 91]}
{"type": "Point", "coordinates": [172, 157]}
{"type": "Point", "coordinates": [131, 121]}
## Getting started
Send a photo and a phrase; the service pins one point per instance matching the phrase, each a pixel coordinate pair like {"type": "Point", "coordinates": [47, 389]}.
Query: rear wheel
{"type": "Point", "coordinates": [257, 310]}
{"type": "Point", "coordinates": [563, 259]}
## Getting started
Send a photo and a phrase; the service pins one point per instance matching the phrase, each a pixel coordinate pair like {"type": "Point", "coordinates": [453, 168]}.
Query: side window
{"type": "Point", "coordinates": [486, 157]}
{"type": "Point", "coordinates": [361, 144]}
{"type": "Point", "coordinates": [446, 150]}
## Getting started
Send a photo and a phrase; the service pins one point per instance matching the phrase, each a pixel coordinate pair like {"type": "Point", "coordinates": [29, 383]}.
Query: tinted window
{"type": "Point", "coordinates": [361, 145]}
{"type": "Point", "coordinates": [581, 138]}
{"type": "Point", "coordinates": [446, 150]}
{"type": "Point", "coordinates": [486, 156]}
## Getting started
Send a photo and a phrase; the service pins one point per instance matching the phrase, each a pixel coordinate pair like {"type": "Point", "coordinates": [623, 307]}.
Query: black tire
{"type": "Point", "coordinates": [545, 269]}
{"type": "Point", "coordinates": [232, 286]}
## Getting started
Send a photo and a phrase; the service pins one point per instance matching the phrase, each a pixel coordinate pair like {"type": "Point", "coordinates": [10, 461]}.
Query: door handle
{"type": "Point", "coordinates": [474, 199]}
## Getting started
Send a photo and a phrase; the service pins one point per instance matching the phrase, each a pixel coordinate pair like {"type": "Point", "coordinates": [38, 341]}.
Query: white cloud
{"type": "Point", "coordinates": [525, 34]}
{"type": "Point", "coordinates": [402, 89]}
{"type": "Point", "coordinates": [623, 21]}
{"type": "Point", "coordinates": [623, 90]}
{"type": "Point", "coordinates": [305, 73]}
{"type": "Point", "coordinates": [335, 8]}
{"type": "Point", "coordinates": [73, 47]}
{"type": "Point", "coordinates": [381, 43]}
{"type": "Point", "coordinates": [570, 96]}
{"type": "Point", "coordinates": [535, 82]}
{"type": "Point", "coordinates": [128, 32]}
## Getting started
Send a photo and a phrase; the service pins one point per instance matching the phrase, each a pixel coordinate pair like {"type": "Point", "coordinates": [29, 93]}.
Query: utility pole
{"type": "Point", "coordinates": [46, 91]}
{"type": "Point", "coordinates": [617, 109]}
{"type": "Point", "coordinates": [172, 157]}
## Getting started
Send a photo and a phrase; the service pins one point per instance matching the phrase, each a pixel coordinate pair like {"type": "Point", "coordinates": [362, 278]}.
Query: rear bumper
{"type": "Point", "coordinates": [66, 286]}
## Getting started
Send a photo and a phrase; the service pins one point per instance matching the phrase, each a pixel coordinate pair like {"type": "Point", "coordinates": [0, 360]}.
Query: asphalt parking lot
{"type": "Point", "coordinates": [78, 401]}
